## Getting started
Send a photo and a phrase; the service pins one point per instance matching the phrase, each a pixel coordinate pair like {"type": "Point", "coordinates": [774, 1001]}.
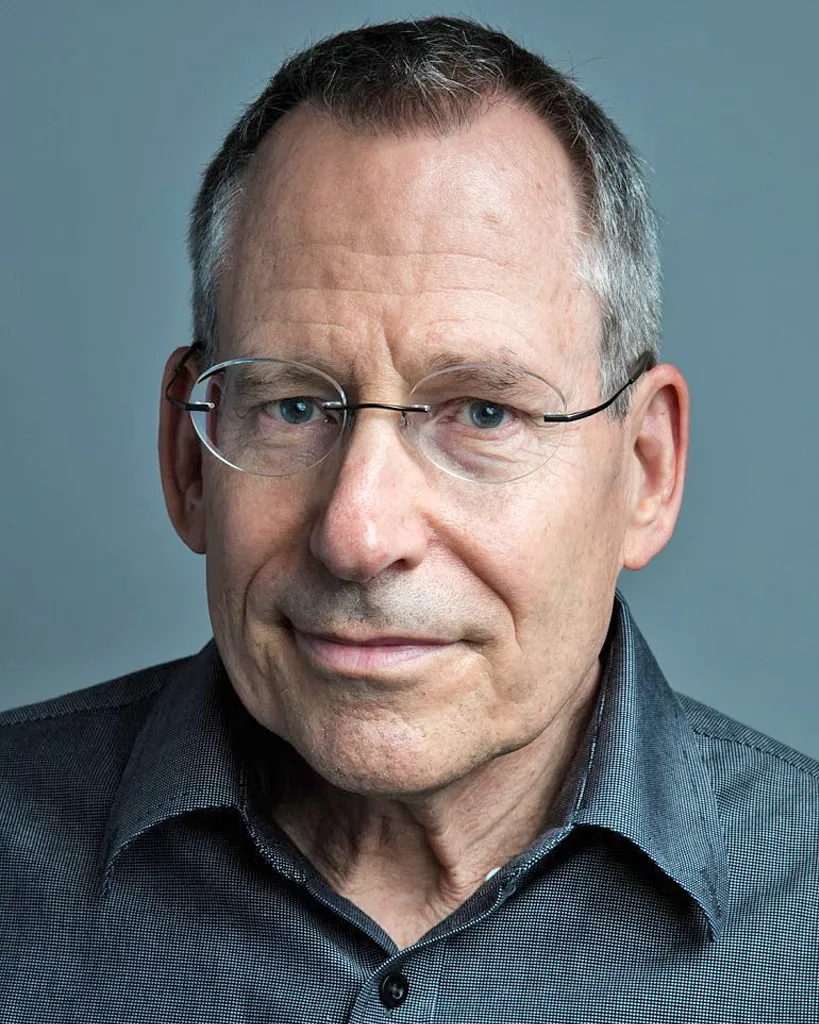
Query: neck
{"type": "Point", "coordinates": [410, 862]}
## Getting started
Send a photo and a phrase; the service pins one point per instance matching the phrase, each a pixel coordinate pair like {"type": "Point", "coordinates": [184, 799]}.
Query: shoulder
{"type": "Point", "coordinates": [71, 749]}
{"type": "Point", "coordinates": [767, 801]}
{"type": "Point", "coordinates": [728, 746]}
{"type": "Point", "coordinates": [115, 693]}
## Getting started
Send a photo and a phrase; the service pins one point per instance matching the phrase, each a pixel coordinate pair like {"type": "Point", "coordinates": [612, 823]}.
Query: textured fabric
{"type": "Point", "coordinates": [676, 879]}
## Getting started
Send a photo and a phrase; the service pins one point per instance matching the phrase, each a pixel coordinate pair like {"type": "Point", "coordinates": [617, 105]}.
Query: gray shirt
{"type": "Point", "coordinates": [676, 878]}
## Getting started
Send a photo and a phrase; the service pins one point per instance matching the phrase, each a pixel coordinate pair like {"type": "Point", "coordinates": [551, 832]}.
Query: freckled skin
{"type": "Point", "coordinates": [368, 256]}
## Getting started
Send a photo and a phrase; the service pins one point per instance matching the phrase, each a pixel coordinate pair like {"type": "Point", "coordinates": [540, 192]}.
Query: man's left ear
{"type": "Point", "coordinates": [657, 431]}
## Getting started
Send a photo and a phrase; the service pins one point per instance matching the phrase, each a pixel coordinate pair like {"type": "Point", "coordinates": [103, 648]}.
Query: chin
{"type": "Point", "coordinates": [382, 763]}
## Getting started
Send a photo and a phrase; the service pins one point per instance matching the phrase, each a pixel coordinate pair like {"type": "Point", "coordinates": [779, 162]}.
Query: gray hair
{"type": "Point", "coordinates": [437, 74]}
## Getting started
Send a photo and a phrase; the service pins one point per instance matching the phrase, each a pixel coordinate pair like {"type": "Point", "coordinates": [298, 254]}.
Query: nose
{"type": "Point", "coordinates": [374, 515]}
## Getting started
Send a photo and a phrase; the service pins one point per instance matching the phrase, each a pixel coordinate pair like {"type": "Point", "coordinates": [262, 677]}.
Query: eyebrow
{"type": "Point", "coordinates": [254, 383]}
{"type": "Point", "coordinates": [498, 378]}
{"type": "Point", "coordinates": [441, 360]}
{"type": "Point", "coordinates": [502, 356]}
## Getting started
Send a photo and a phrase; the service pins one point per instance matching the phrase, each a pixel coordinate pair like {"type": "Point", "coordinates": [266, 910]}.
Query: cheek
{"type": "Point", "coordinates": [549, 550]}
{"type": "Point", "coordinates": [252, 524]}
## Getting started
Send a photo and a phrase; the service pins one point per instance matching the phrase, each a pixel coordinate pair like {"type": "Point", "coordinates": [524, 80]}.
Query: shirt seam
{"type": "Point", "coordinates": [760, 750]}
{"type": "Point", "coordinates": [581, 793]}
{"type": "Point", "coordinates": [82, 711]}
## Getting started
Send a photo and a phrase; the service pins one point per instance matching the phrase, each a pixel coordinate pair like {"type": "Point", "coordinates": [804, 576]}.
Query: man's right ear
{"type": "Point", "coordinates": [180, 456]}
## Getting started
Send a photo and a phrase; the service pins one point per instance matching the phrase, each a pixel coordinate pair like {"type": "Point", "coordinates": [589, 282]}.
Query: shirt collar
{"type": "Point", "coordinates": [638, 773]}
{"type": "Point", "coordinates": [644, 776]}
{"type": "Point", "coordinates": [184, 757]}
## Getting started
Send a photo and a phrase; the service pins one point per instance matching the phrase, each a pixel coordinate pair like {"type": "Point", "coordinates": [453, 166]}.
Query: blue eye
{"type": "Point", "coordinates": [294, 411]}
{"type": "Point", "coordinates": [486, 415]}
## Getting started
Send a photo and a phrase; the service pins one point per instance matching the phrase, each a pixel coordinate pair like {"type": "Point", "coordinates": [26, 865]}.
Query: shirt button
{"type": "Point", "coordinates": [394, 989]}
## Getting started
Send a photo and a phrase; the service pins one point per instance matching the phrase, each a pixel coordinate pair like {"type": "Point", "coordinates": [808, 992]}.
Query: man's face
{"type": "Point", "coordinates": [370, 257]}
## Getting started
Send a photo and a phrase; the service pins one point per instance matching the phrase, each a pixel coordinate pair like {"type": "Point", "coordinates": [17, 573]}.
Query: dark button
{"type": "Point", "coordinates": [394, 989]}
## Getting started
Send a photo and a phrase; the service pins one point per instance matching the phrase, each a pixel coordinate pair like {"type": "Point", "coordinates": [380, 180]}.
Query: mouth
{"type": "Point", "coordinates": [357, 655]}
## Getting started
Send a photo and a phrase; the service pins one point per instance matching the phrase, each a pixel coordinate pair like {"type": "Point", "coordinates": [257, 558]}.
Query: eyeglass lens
{"type": "Point", "coordinates": [484, 422]}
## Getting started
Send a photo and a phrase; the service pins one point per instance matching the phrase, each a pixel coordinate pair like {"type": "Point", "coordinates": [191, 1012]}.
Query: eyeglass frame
{"type": "Point", "coordinates": [644, 362]}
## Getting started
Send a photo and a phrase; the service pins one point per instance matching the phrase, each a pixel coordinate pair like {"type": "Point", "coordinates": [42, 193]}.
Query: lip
{"type": "Point", "coordinates": [385, 640]}
{"type": "Point", "coordinates": [357, 656]}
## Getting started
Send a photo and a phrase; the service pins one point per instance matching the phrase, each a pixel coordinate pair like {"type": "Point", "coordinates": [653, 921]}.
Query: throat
{"type": "Point", "coordinates": [408, 868]}
{"type": "Point", "coordinates": [406, 915]}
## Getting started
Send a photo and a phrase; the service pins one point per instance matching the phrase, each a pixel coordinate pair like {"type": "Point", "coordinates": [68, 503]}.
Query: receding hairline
{"type": "Point", "coordinates": [437, 72]}
{"type": "Point", "coordinates": [265, 159]}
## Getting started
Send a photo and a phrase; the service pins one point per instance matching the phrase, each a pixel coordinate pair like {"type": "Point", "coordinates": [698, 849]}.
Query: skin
{"type": "Point", "coordinates": [369, 256]}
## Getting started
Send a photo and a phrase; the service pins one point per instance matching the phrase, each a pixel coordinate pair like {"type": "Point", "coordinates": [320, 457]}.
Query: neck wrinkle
{"type": "Point", "coordinates": [439, 848]}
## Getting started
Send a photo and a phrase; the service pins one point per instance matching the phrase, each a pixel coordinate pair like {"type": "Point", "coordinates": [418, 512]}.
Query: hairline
{"type": "Point", "coordinates": [232, 191]}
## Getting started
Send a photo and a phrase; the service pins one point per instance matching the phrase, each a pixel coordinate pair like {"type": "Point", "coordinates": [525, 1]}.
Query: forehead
{"type": "Point", "coordinates": [402, 244]}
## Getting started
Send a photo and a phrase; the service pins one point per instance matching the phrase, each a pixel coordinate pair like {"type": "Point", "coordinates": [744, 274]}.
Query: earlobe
{"type": "Point", "coordinates": [658, 457]}
{"type": "Point", "coordinates": [180, 459]}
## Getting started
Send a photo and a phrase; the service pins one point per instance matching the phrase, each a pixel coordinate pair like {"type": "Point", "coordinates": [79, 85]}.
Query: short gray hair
{"type": "Point", "coordinates": [437, 74]}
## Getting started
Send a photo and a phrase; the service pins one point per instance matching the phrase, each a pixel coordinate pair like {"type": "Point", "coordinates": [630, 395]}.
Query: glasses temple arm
{"type": "Point", "coordinates": [186, 406]}
{"type": "Point", "coordinates": [641, 367]}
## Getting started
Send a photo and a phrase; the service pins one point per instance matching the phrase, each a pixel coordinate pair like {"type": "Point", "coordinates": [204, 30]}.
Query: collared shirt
{"type": "Point", "coordinates": [676, 878]}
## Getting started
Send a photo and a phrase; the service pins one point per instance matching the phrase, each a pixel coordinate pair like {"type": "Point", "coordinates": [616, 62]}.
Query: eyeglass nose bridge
{"type": "Point", "coordinates": [353, 409]}
{"type": "Point", "coordinates": [348, 411]}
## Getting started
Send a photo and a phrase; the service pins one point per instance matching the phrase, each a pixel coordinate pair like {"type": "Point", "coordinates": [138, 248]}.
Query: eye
{"type": "Point", "coordinates": [485, 415]}
{"type": "Point", "coordinates": [295, 411]}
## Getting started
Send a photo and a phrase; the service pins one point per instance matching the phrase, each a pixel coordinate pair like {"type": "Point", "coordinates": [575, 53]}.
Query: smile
{"type": "Point", "coordinates": [343, 655]}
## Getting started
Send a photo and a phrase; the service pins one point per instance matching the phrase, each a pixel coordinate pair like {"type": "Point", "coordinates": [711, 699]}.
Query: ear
{"type": "Point", "coordinates": [657, 458]}
{"type": "Point", "coordinates": [180, 457]}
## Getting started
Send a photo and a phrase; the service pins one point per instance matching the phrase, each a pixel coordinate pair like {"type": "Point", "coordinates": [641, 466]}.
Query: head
{"type": "Point", "coordinates": [397, 198]}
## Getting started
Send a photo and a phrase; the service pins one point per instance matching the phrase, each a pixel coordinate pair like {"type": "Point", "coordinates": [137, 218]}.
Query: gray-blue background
{"type": "Point", "coordinates": [109, 112]}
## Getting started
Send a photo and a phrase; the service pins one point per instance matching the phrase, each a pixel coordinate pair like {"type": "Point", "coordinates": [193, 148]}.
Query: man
{"type": "Point", "coordinates": [428, 766]}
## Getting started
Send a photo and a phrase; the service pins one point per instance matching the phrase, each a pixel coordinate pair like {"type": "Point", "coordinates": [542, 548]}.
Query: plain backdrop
{"type": "Point", "coordinates": [110, 111]}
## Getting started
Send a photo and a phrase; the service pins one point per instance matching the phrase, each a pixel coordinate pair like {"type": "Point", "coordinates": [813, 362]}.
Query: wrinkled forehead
{"type": "Point", "coordinates": [394, 231]}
